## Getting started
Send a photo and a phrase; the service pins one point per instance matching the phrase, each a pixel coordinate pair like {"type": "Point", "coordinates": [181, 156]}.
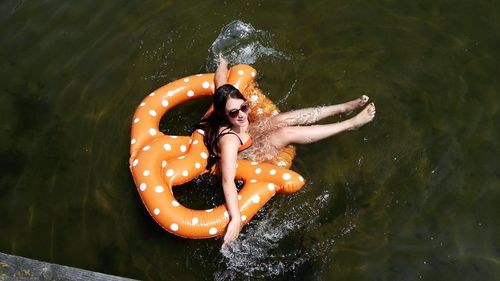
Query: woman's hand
{"type": "Point", "coordinates": [222, 61]}
{"type": "Point", "coordinates": [232, 232]}
{"type": "Point", "coordinates": [220, 77]}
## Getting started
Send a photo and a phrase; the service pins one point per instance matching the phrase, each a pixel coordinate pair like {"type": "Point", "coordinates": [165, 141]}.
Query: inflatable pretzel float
{"type": "Point", "coordinates": [159, 162]}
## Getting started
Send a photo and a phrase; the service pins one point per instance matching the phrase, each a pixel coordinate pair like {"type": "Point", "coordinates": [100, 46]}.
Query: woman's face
{"type": "Point", "coordinates": [237, 112]}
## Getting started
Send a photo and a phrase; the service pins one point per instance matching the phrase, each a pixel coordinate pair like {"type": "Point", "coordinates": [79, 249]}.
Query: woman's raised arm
{"type": "Point", "coordinates": [221, 73]}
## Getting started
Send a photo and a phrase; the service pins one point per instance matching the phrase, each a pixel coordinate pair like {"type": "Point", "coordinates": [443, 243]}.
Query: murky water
{"type": "Point", "coordinates": [413, 196]}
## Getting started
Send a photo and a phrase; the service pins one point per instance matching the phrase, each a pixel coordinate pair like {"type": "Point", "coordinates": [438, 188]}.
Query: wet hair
{"type": "Point", "coordinates": [218, 118]}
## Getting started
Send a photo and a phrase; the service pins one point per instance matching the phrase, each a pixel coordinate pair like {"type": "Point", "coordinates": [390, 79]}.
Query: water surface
{"type": "Point", "coordinates": [413, 196]}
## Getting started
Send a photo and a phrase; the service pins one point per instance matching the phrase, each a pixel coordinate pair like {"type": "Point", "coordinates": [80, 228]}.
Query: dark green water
{"type": "Point", "coordinates": [413, 196]}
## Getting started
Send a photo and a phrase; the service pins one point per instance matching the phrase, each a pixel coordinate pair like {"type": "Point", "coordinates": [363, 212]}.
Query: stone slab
{"type": "Point", "coordinates": [19, 268]}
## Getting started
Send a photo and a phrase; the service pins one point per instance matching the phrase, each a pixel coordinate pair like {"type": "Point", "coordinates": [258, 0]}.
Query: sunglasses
{"type": "Point", "coordinates": [233, 113]}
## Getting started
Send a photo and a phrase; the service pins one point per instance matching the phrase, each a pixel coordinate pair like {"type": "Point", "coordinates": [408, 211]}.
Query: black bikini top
{"type": "Point", "coordinates": [243, 146]}
{"type": "Point", "coordinates": [227, 131]}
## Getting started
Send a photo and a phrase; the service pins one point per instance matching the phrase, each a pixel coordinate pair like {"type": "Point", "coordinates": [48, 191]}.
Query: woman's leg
{"type": "Point", "coordinates": [308, 134]}
{"type": "Point", "coordinates": [312, 115]}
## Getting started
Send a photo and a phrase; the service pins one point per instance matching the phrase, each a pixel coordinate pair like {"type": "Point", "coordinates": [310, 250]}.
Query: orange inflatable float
{"type": "Point", "coordinates": [159, 162]}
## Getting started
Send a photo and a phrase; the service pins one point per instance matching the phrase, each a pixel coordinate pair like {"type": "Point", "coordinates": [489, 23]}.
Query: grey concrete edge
{"type": "Point", "coordinates": [19, 268]}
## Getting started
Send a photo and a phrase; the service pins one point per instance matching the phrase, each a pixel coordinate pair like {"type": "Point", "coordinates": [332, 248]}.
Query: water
{"type": "Point", "coordinates": [412, 196]}
{"type": "Point", "coordinates": [241, 43]}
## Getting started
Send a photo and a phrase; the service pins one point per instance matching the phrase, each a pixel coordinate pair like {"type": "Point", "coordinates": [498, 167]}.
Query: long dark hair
{"type": "Point", "coordinates": [217, 117]}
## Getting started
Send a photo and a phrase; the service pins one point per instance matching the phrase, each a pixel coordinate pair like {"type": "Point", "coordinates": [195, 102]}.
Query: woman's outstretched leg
{"type": "Point", "coordinates": [312, 115]}
{"type": "Point", "coordinates": [308, 134]}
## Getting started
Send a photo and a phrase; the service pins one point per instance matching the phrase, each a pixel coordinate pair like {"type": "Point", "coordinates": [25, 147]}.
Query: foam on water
{"type": "Point", "coordinates": [262, 251]}
{"type": "Point", "coordinates": [241, 43]}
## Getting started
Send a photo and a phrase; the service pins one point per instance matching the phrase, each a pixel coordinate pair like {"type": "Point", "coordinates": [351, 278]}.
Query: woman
{"type": "Point", "coordinates": [229, 136]}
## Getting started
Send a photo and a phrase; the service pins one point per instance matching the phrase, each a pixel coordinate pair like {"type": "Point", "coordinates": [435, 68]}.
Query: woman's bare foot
{"type": "Point", "coordinates": [365, 116]}
{"type": "Point", "coordinates": [355, 104]}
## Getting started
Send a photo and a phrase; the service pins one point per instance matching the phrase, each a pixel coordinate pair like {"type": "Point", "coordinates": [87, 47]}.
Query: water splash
{"type": "Point", "coordinates": [261, 251]}
{"type": "Point", "coordinates": [240, 42]}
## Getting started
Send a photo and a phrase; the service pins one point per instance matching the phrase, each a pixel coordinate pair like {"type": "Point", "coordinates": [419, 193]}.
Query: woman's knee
{"type": "Point", "coordinates": [284, 136]}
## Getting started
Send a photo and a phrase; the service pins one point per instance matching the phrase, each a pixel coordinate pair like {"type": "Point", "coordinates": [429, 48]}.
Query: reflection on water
{"type": "Point", "coordinates": [414, 195]}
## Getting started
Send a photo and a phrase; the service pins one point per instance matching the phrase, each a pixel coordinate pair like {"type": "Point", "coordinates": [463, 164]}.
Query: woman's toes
{"type": "Point", "coordinates": [372, 109]}
{"type": "Point", "coordinates": [364, 98]}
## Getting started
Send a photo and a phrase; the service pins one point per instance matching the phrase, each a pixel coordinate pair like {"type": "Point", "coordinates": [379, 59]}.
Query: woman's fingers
{"type": "Point", "coordinates": [232, 233]}
{"type": "Point", "coordinates": [222, 60]}
{"type": "Point", "coordinates": [228, 239]}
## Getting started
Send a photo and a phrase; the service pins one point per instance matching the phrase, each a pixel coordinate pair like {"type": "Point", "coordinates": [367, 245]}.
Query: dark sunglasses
{"type": "Point", "coordinates": [234, 112]}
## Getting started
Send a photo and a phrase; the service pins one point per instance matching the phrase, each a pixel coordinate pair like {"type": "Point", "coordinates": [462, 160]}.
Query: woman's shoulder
{"type": "Point", "coordinates": [224, 129]}
{"type": "Point", "coordinates": [226, 136]}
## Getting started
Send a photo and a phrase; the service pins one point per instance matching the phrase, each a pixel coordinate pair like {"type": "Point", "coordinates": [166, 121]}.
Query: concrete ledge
{"type": "Point", "coordinates": [19, 268]}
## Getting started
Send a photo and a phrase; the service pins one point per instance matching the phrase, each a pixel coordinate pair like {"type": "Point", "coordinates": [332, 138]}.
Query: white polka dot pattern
{"type": "Point", "coordinates": [170, 172]}
{"type": "Point", "coordinates": [212, 231]}
{"type": "Point", "coordinates": [183, 158]}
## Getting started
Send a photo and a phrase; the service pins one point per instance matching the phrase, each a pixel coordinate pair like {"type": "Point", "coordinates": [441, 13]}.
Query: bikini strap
{"type": "Point", "coordinates": [212, 159]}
{"type": "Point", "coordinates": [226, 132]}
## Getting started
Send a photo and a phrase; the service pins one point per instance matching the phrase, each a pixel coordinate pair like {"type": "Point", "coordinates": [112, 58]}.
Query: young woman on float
{"type": "Point", "coordinates": [229, 135]}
